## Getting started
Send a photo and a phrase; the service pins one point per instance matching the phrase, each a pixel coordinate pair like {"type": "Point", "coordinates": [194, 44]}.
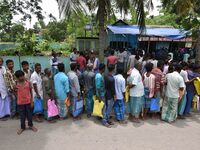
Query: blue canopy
{"type": "Point", "coordinates": [170, 33]}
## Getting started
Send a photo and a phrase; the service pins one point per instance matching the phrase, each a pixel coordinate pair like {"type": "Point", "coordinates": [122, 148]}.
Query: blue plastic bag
{"type": "Point", "coordinates": [38, 107]}
{"type": "Point", "coordinates": [78, 107]}
{"type": "Point", "coordinates": [154, 104]}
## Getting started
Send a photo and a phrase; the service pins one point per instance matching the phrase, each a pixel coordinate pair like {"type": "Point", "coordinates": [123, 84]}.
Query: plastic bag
{"type": "Point", "coordinates": [127, 94]}
{"type": "Point", "coordinates": [197, 85]}
{"type": "Point", "coordinates": [78, 107]}
{"type": "Point", "coordinates": [98, 107]}
{"type": "Point", "coordinates": [195, 103]}
{"type": "Point", "coordinates": [38, 107]}
{"type": "Point", "coordinates": [67, 102]}
{"type": "Point", "coordinates": [52, 108]}
{"type": "Point", "coordinates": [154, 104]}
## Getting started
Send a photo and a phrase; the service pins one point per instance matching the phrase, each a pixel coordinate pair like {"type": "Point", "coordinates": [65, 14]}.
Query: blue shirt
{"type": "Point", "coordinates": [99, 81]}
{"type": "Point", "coordinates": [61, 83]}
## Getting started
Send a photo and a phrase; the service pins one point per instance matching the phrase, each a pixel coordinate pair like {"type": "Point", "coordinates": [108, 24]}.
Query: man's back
{"type": "Point", "coordinates": [61, 83]}
{"type": "Point", "coordinates": [174, 83]}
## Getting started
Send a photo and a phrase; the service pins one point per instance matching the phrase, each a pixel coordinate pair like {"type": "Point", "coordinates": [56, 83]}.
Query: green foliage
{"type": "Point", "coordinates": [187, 13]}
{"type": "Point", "coordinates": [27, 42]}
{"type": "Point", "coordinates": [15, 30]}
{"type": "Point", "coordinates": [10, 8]}
{"type": "Point", "coordinates": [43, 46]}
{"type": "Point", "coordinates": [165, 18]}
{"type": "Point", "coordinates": [55, 31]}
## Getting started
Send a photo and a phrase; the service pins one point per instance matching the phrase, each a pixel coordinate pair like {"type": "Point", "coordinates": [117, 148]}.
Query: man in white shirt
{"type": "Point", "coordinates": [36, 81]}
{"type": "Point", "coordinates": [136, 94]}
{"type": "Point", "coordinates": [175, 86]}
{"type": "Point", "coordinates": [120, 84]}
{"type": "Point", "coordinates": [54, 63]}
{"type": "Point", "coordinates": [74, 56]}
{"type": "Point", "coordinates": [4, 98]}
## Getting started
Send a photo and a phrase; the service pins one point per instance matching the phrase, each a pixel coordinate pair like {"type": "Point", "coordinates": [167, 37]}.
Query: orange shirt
{"type": "Point", "coordinates": [23, 93]}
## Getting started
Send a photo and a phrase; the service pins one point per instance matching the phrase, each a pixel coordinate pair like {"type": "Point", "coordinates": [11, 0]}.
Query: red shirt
{"type": "Point", "coordinates": [23, 93]}
{"type": "Point", "coordinates": [112, 60]}
{"type": "Point", "coordinates": [81, 61]}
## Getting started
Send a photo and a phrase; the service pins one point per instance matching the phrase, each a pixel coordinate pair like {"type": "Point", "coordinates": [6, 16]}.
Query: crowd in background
{"type": "Point", "coordinates": [134, 83]}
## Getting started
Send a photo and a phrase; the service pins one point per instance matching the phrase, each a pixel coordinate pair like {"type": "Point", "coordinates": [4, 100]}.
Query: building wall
{"type": "Point", "coordinates": [131, 39]}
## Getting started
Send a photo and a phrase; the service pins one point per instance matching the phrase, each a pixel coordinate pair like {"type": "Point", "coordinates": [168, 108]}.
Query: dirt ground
{"type": "Point", "coordinates": [89, 134]}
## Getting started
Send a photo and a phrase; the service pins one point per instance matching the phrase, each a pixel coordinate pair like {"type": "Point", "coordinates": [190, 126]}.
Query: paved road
{"type": "Point", "coordinates": [90, 135]}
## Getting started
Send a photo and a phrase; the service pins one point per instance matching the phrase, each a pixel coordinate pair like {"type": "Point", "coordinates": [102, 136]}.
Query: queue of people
{"type": "Point", "coordinates": [155, 88]}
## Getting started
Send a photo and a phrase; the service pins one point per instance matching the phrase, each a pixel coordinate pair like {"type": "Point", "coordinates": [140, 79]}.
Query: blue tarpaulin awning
{"type": "Point", "coordinates": [170, 33]}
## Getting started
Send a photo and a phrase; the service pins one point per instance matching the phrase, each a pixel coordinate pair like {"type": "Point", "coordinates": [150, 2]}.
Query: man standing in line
{"type": "Point", "coordinates": [10, 81]}
{"type": "Point", "coordinates": [175, 85]}
{"type": "Point", "coordinates": [36, 80]}
{"type": "Point", "coordinates": [4, 98]}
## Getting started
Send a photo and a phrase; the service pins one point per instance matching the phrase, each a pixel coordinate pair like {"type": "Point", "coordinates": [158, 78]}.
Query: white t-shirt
{"type": "Point", "coordinates": [174, 83]}
{"type": "Point", "coordinates": [120, 88]}
{"type": "Point", "coordinates": [184, 74]}
{"type": "Point", "coordinates": [36, 79]}
{"type": "Point", "coordinates": [136, 79]}
{"type": "Point", "coordinates": [73, 57]}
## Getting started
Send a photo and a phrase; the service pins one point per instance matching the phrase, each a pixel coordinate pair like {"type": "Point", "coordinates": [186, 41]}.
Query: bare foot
{"type": "Point", "coordinates": [20, 131]}
{"type": "Point", "coordinates": [136, 120]}
{"type": "Point", "coordinates": [77, 118]}
{"type": "Point", "coordinates": [123, 122]}
{"type": "Point", "coordinates": [52, 121]}
{"type": "Point", "coordinates": [34, 129]}
{"type": "Point", "coordinates": [107, 125]}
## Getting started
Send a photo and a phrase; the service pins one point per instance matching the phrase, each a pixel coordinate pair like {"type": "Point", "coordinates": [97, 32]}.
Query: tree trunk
{"type": "Point", "coordinates": [102, 32]}
{"type": "Point", "coordinates": [198, 50]}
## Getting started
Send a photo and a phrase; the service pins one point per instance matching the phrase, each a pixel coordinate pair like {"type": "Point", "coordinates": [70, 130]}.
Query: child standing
{"type": "Point", "coordinates": [120, 84]}
{"type": "Point", "coordinates": [24, 101]}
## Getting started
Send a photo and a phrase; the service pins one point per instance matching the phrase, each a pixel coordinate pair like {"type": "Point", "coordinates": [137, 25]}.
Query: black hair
{"type": "Point", "coordinates": [73, 66]}
{"type": "Point", "coordinates": [184, 64]}
{"type": "Point", "coordinates": [112, 52]}
{"type": "Point", "coordinates": [170, 68]}
{"type": "Point", "coordinates": [149, 67]}
{"type": "Point", "coordinates": [61, 67]}
{"type": "Point", "coordinates": [101, 66]}
{"type": "Point", "coordinates": [177, 67]}
{"type": "Point", "coordinates": [24, 63]}
{"type": "Point", "coordinates": [8, 61]}
{"type": "Point", "coordinates": [111, 68]}
{"type": "Point", "coordinates": [160, 63]}
{"type": "Point", "coordinates": [81, 53]}
{"type": "Point", "coordinates": [191, 66]}
{"type": "Point", "coordinates": [19, 73]}
{"type": "Point", "coordinates": [120, 70]}
{"type": "Point", "coordinates": [37, 65]}
{"type": "Point", "coordinates": [196, 66]}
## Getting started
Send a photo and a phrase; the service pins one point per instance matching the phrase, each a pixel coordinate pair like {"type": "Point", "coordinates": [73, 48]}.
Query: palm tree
{"type": "Point", "coordinates": [104, 10]}
{"type": "Point", "coordinates": [188, 14]}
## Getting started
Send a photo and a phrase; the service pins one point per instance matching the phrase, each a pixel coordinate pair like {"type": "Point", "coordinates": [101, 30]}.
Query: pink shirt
{"type": "Point", "coordinates": [81, 61]}
{"type": "Point", "coordinates": [23, 93]}
{"type": "Point", "coordinates": [112, 60]}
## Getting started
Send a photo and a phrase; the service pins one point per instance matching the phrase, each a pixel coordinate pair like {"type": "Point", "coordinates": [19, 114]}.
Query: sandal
{"type": "Point", "coordinates": [34, 129]}
{"type": "Point", "coordinates": [20, 131]}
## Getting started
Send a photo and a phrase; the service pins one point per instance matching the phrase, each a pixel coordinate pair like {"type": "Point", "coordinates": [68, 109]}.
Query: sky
{"type": "Point", "coordinates": [51, 7]}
